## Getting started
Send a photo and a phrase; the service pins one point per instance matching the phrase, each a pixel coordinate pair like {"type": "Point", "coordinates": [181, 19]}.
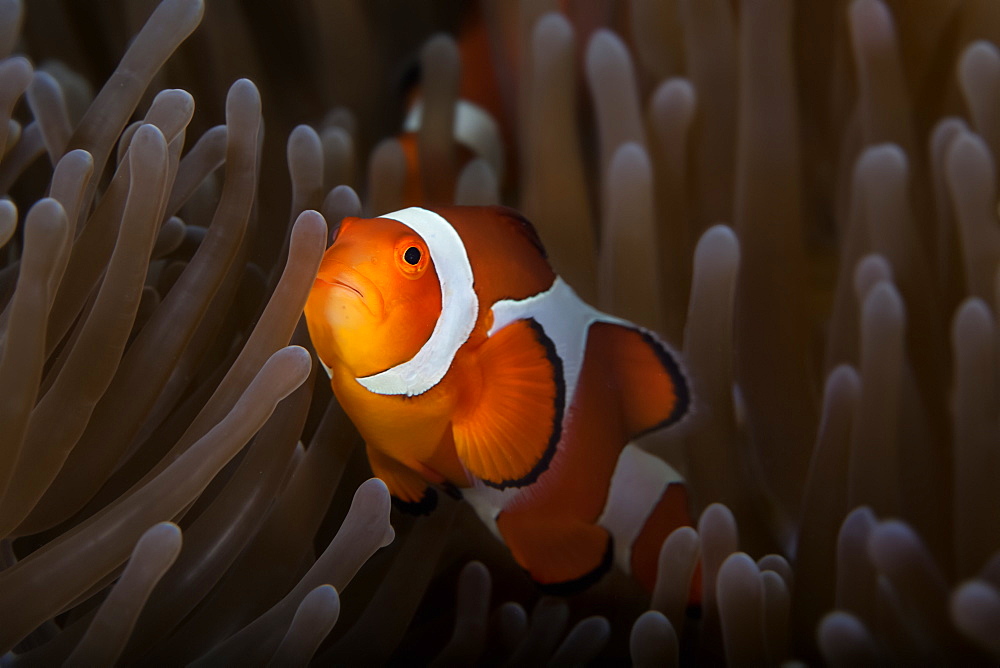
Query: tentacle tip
{"type": "Point", "coordinates": [721, 238]}
{"type": "Point", "coordinates": [243, 92]}
{"type": "Point", "coordinates": [871, 16]}
{"type": "Point", "coordinates": [440, 51]}
{"type": "Point", "coordinates": [147, 135]}
{"type": "Point", "coordinates": [676, 93]}
{"type": "Point", "coordinates": [552, 26]}
{"type": "Point", "coordinates": [295, 361]}
{"type": "Point", "coordinates": [967, 147]}
{"type": "Point", "coordinates": [980, 51]}
{"type": "Point", "coordinates": [312, 225]}
{"type": "Point", "coordinates": [972, 316]}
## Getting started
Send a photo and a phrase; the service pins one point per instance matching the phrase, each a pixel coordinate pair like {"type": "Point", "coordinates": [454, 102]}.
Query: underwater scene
{"type": "Point", "coordinates": [650, 332]}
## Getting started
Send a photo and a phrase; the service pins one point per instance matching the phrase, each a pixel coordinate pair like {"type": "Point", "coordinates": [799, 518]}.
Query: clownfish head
{"type": "Point", "coordinates": [395, 297]}
{"type": "Point", "coordinates": [376, 297]}
{"type": "Point", "coordinates": [393, 301]}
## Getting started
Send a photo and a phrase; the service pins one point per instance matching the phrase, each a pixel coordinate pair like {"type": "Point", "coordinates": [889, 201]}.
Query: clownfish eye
{"type": "Point", "coordinates": [411, 258]}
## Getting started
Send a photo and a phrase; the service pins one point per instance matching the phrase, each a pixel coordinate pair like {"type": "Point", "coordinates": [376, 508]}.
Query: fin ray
{"type": "Point", "coordinates": [508, 436]}
{"type": "Point", "coordinates": [653, 390]}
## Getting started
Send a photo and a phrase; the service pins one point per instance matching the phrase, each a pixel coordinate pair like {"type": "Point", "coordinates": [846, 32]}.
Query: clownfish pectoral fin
{"type": "Point", "coordinates": [563, 555]}
{"type": "Point", "coordinates": [652, 389]}
{"type": "Point", "coordinates": [506, 436]}
{"type": "Point", "coordinates": [410, 493]}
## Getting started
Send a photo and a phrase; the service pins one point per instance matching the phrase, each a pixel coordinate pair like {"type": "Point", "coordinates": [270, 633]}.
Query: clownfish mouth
{"type": "Point", "coordinates": [344, 284]}
{"type": "Point", "coordinates": [347, 279]}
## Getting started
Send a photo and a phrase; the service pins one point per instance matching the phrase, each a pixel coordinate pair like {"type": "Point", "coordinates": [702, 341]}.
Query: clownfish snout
{"type": "Point", "coordinates": [376, 297]}
{"type": "Point", "coordinates": [342, 285]}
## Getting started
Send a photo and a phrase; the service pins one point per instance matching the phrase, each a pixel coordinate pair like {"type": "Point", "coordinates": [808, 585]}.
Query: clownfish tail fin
{"type": "Point", "coordinates": [652, 388]}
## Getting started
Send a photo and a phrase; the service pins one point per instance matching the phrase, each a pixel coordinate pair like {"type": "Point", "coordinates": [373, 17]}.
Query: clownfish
{"type": "Point", "coordinates": [468, 365]}
{"type": "Point", "coordinates": [490, 57]}
{"type": "Point", "coordinates": [479, 127]}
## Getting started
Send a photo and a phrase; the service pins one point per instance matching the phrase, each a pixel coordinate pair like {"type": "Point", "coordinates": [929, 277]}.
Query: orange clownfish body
{"type": "Point", "coordinates": [466, 362]}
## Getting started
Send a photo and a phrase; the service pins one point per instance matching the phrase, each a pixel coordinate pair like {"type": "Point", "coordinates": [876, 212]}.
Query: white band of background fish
{"type": "Point", "coordinates": [474, 128]}
{"type": "Point", "coordinates": [459, 308]}
{"type": "Point", "coordinates": [637, 484]}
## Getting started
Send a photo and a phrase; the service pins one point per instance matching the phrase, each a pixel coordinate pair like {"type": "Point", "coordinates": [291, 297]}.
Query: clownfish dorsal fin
{"type": "Point", "coordinates": [506, 436]}
{"type": "Point", "coordinates": [652, 389]}
{"type": "Point", "coordinates": [521, 225]}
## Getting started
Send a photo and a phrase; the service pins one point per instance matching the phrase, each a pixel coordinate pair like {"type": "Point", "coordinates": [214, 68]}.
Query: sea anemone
{"type": "Point", "coordinates": [801, 196]}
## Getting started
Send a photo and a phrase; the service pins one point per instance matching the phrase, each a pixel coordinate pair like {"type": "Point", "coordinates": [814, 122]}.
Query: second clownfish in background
{"type": "Point", "coordinates": [466, 362]}
{"type": "Point", "coordinates": [484, 113]}
{"type": "Point", "coordinates": [480, 125]}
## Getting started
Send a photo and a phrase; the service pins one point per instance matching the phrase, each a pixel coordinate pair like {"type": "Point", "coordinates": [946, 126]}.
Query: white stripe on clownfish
{"type": "Point", "coordinates": [459, 308]}
{"type": "Point", "coordinates": [639, 481]}
{"type": "Point", "coordinates": [563, 316]}
{"type": "Point", "coordinates": [637, 485]}
{"type": "Point", "coordinates": [566, 320]}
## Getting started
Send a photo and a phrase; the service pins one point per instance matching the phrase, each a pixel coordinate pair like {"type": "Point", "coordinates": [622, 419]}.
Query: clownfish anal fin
{"type": "Point", "coordinates": [652, 389]}
{"type": "Point", "coordinates": [563, 555]}
{"type": "Point", "coordinates": [507, 434]}
{"type": "Point", "coordinates": [410, 493]}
